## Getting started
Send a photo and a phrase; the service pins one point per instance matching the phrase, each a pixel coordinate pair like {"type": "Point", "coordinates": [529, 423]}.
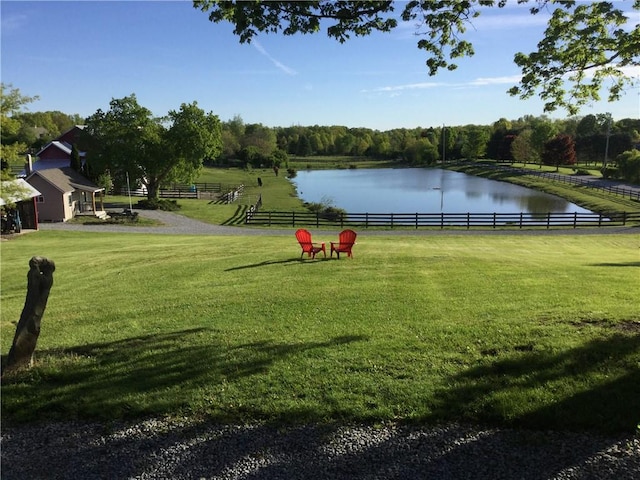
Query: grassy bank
{"type": "Point", "coordinates": [337, 162]}
{"type": "Point", "coordinates": [277, 193]}
{"type": "Point", "coordinates": [528, 331]}
{"type": "Point", "coordinates": [592, 199]}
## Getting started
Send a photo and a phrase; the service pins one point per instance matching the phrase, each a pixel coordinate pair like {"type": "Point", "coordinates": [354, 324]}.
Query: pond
{"type": "Point", "coordinates": [422, 190]}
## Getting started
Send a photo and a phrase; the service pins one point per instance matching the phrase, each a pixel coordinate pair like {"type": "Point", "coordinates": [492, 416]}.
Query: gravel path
{"type": "Point", "coordinates": [173, 223]}
{"type": "Point", "coordinates": [182, 449]}
{"type": "Point", "coordinates": [161, 449]}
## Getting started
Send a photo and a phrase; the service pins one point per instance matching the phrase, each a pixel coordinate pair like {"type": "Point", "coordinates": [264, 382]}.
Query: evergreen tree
{"type": "Point", "coordinates": [76, 163]}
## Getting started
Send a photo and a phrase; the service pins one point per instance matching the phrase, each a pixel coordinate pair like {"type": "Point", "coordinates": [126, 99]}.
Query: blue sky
{"type": "Point", "coordinates": [77, 56]}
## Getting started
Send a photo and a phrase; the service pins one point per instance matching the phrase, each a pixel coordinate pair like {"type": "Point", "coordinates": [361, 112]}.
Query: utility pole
{"type": "Point", "coordinates": [444, 138]}
{"type": "Point", "coordinates": [606, 146]}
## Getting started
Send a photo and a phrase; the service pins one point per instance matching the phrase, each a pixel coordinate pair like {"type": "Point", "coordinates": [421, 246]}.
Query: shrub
{"type": "Point", "coordinates": [163, 204]}
{"type": "Point", "coordinates": [609, 172]}
{"type": "Point", "coordinates": [325, 210]}
{"type": "Point", "coordinates": [629, 166]}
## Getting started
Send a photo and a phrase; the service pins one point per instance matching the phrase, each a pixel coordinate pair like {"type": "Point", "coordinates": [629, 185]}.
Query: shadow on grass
{"type": "Point", "coordinates": [272, 262]}
{"type": "Point", "coordinates": [152, 374]}
{"type": "Point", "coordinates": [611, 403]}
{"type": "Point", "coordinates": [203, 448]}
{"type": "Point", "coordinates": [238, 216]}
{"type": "Point", "coordinates": [621, 264]}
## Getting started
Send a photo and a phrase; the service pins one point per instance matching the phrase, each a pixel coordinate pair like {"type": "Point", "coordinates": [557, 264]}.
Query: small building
{"type": "Point", "coordinates": [25, 203]}
{"type": "Point", "coordinates": [64, 194]}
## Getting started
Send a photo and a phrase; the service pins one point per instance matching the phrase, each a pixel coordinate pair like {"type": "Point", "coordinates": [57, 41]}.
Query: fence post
{"type": "Point", "coordinates": [600, 220]}
{"type": "Point", "coordinates": [494, 219]}
{"type": "Point", "coordinates": [468, 220]}
{"type": "Point", "coordinates": [392, 220]}
{"type": "Point", "coordinates": [317, 219]}
{"type": "Point", "coordinates": [441, 220]}
{"type": "Point", "coordinates": [416, 220]}
{"type": "Point", "coordinates": [624, 218]}
{"type": "Point", "coordinates": [548, 219]}
{"type": "Point", "coordinates": [575, 220]}
{"type": "Point", "coordinates": [521, 220]}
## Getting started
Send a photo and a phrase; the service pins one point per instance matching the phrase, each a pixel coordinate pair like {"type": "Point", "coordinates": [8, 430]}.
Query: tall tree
{"type": "Point", "coordinates": [129, 140]}
{"type": "Point", "coordinates": [521, 149]}
{"type": "Point", "coordinates": [475, 143]}
{"type": "Point", "coordinates": [559, 151]}
{"type": "Point", "coordinates": [542, 130]}
{"type": "Point", "coordinates": [262, 138]}
{"type": "Point", "coordinates": [303, 147]}
{"type": "Point", "coordinates": [585, 43]}
{"type": "Point", "coordinates": [11, 103]}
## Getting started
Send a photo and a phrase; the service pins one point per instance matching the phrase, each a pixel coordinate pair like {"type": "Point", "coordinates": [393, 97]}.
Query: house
{"type": "Point", "coordinates": [64, 194]}
{"type": "Point", "coordinates": [25, 203]}
{"type": "Point", "coordinates": [57, 153]}
{"type": "Point", "coordinates": [71, 136]}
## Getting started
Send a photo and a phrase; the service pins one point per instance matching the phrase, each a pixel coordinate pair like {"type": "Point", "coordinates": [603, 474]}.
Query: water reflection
{"type": "Point", "coordinates": [411, 190]}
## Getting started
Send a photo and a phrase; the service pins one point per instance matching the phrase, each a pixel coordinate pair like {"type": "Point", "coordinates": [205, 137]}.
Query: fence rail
{"type": "Point", "coordinates": [194, 190]}
{"type": "Point", "coordinates": [441, 220]}
{"type": "Point", "coordinates": [632, 194]}
{"type": "Point", "coordinates": [253, 209]}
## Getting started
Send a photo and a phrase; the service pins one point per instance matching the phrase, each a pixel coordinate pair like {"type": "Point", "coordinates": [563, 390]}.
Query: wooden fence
{"type": "Point", "coordinates": [194, 190]}
{"type": "Point", "coordinates": [253, 209]}
{"type": "Point", "coordinates": [441, 220]}
{"type": "Point", "coordinates": [625, 192]}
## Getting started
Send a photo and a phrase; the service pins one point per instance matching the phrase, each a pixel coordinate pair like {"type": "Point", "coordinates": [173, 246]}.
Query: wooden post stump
{"type": "Point", "coordinates": [39, 282]}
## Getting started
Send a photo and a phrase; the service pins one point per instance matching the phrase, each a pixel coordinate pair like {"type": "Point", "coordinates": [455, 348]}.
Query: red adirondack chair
{"type": "Point", "coordinates": [346, 240]}
{"type": "Point", "coordinates": [308, 247]}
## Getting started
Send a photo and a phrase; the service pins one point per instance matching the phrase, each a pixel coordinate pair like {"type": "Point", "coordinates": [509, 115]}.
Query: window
{"type": "Point", "coordinates": [39, 199]}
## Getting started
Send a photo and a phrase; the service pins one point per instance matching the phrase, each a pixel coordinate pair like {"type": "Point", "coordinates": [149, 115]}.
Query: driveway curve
{"type": "Point", "coordinates": [176, 224]}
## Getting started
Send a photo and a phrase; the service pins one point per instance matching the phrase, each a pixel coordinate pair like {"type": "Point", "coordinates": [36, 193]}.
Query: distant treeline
{"type": "Point", "coordinates": [522, 140]}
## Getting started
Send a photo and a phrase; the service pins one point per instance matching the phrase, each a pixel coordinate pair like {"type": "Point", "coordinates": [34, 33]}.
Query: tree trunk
{"type": "Point", "coordinates": [153, 190]}
{"type": "Point", "coordinates": [39, 282]}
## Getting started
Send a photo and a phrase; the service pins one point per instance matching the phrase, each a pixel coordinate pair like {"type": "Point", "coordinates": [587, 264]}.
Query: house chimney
{"type": "Point", "coordinates": [28, 167]}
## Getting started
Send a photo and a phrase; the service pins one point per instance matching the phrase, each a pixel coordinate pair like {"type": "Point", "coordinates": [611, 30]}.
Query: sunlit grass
{"type": "Point", "coordinates": [532, 331]}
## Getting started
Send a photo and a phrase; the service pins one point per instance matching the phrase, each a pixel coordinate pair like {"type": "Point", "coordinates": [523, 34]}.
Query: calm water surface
{"type": "Point", "coordinates": [422, 190]}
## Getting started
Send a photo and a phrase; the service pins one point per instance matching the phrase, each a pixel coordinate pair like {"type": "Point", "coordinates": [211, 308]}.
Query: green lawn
{"type": "Point", "coordinates": [534, 331]}
{"type": "Point", "coordinates": [277, 193]}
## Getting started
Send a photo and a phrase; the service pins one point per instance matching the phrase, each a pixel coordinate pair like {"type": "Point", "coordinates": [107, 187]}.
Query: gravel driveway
{"type": "Point", "coordinates": [161, 449]}
{"type": "Point", "coordinates": [173, 223]}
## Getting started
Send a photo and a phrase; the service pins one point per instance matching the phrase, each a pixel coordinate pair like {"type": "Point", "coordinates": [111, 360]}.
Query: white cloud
{"type": "Point", "coordinates": [478, 82]}
{"type": "Point", "coordinates": [280, 65]}
{"type": "Point", "coordinates": [12, 23]}
{"type": "Point", "coordinates": [493, 81]}
{"type": "Point", "coordinates": [410, 86]}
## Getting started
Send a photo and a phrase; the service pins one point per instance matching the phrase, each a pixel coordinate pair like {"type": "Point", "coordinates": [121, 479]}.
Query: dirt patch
{"type": "Point", "coordinates": [628, 326]}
